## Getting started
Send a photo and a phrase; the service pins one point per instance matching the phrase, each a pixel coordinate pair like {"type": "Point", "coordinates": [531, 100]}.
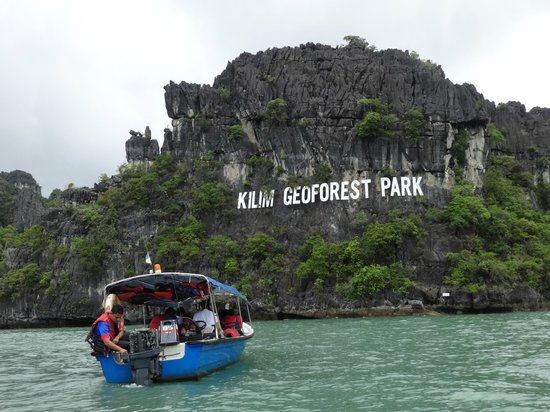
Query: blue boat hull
{"type": "Point", "coordinates": [182, 361]}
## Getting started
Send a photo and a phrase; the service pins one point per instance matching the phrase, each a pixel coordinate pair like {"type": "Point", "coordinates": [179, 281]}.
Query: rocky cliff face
{"type": "Point", "coordinates": [321, 87]}
{"type": "Point", "coordinates": [289, 118]}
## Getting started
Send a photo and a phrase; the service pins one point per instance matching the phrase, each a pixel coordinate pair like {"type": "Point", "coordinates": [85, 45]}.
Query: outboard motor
{"type": "Point", "coordinates": [143, 357]}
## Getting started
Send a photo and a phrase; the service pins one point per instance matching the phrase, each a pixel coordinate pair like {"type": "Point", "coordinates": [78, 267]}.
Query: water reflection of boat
{"type": "Point", "coordinates": [172, 351]}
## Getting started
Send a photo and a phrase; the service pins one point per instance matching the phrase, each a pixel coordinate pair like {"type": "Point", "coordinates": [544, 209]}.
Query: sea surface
{"type": "Point", "coordinates": [497, 362]}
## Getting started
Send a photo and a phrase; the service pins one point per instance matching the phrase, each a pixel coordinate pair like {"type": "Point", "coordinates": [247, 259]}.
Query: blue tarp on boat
{"type": "Point", "coordinates": [165, 289]}
{"type": "Point", "coordinates": [227, 288]}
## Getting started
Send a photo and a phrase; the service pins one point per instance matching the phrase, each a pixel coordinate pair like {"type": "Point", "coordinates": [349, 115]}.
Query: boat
{"type": "Point", "coordinates": [165, 353]}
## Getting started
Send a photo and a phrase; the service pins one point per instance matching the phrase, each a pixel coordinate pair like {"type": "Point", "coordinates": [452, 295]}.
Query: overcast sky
{"type": "Point", "coordinates": [76, 76]}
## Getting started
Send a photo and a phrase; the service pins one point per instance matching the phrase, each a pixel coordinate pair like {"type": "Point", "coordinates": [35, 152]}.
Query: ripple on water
{"type": "Point", "coordinates": [484, 362]}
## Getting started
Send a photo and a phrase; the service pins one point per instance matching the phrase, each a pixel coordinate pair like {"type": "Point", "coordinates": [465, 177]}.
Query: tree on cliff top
{"type": "Point", "coordinates": [359, 42]}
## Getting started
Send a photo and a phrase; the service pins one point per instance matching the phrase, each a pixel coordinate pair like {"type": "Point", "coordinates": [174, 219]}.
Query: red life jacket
{"type": "Point", "coordinates": [95, 341]}
{"type": "Point", "coordinates": [232, 333]}
{"type": "Point", "coordinates": [113, 328]}
{"type": "Point", "coordinates": [232, 322]}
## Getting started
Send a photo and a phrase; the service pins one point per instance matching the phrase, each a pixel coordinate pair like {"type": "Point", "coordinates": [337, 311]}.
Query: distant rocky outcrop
{"type": "Point", "coordinates": [21, 199]}
{"type": "Point", "coordinates": [78, 196]}
{"type": "Point", "coordinates": [141, 148]}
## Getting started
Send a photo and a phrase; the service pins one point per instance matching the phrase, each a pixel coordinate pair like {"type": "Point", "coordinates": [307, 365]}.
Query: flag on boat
{"type": "Point", "coordinates": [148, 259]}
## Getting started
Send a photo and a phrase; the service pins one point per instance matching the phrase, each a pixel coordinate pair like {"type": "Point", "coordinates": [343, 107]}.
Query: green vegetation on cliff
{"type": "Point", "coordinates": [35, 250]}
{"type": "Point", "coordinates": [370, 259]}
{"type": "Point", "coordinates": [378, 121]}
{"type": "Point", "coordinates": [506, 241]}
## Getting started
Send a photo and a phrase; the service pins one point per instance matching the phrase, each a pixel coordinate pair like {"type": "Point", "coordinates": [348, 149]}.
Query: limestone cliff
{"type": "Point", "coordinates": [279, 119]}
{"type": "Point", "coordinates": [322, 86]}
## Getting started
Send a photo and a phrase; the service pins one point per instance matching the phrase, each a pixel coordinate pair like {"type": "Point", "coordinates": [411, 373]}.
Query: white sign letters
{"type": "Point", "coordinates": [332, 191]}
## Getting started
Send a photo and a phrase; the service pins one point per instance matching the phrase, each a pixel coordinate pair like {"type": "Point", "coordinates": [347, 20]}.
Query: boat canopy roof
{"type": "Point", "coordinates": [168, 288]}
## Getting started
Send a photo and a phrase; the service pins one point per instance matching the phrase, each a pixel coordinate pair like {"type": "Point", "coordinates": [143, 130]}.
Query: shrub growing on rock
{"type": "Point", "coordinates": [415, 124]}
{"type": "Point", "coordinates": [276, 111]}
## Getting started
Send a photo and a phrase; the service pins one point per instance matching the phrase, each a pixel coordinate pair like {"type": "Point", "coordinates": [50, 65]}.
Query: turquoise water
{"type": "Point", "coordinates": [497, 362]}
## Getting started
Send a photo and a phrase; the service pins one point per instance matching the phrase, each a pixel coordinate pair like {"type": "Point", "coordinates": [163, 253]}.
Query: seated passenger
{"type": "Point", "coordinates": [169, 313]}
{"type": "Point", "coordinates": [209, 318]}
{"type": "Point", "coordinates": [232, 324]}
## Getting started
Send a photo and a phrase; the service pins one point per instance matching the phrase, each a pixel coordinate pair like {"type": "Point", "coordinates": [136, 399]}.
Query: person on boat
{"type": "Point", "coordinates": [232, 324]}
{"type": "Point", "coordinates": [169, 313]}
{"type": "Point", "coordinates": [209, 318]}
{"type": "Point", "coordinates": [106, 334]}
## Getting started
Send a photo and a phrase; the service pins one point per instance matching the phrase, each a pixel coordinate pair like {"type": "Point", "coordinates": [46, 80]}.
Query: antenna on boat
{"type": "Point", "coordinates": [148, 261]}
